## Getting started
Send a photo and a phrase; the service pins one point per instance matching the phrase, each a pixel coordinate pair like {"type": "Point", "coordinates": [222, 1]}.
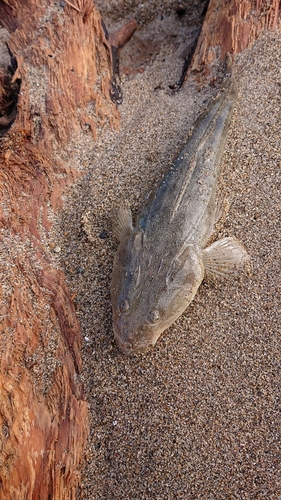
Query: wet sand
{"type": "Point", "coordinates": [198, 416]}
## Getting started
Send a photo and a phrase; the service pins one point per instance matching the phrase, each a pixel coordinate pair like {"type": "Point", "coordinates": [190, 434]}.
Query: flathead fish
{"type": "Point", "coordinates": [161, 261]}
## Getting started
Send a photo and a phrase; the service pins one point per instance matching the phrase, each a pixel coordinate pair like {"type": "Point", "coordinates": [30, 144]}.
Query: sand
{"type": "Point", "coordinates": [198, 416]}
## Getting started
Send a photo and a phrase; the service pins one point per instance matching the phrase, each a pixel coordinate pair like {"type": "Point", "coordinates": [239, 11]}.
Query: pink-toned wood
{"type": "Point", "coordinates": [64, 66]}
{"type": "Point", "coordinates": [233, 25]}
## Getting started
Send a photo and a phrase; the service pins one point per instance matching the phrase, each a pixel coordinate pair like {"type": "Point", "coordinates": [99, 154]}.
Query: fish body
{"type": "Point", "coordinates": [160, 263]}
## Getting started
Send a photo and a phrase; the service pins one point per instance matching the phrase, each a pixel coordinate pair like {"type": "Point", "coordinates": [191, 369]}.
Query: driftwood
{"type": "Point", "coordinates": [232, 26]}
{"type": "Point", "coordinates": [64, 65]}
{"type": "Point", "coordinates": [59, 53]}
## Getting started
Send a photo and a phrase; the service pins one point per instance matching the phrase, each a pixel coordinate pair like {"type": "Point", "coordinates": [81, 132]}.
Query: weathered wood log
{"type": "Point", "coordinates": [231, 26]}
{"type": "Point", "coordinates": [62, 64]}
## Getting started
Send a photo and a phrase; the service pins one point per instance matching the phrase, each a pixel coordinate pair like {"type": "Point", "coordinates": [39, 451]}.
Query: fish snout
{"type": "Point", "coordinates": [128, 342]}
{"type": "Point", "coordinates": [122, 338]}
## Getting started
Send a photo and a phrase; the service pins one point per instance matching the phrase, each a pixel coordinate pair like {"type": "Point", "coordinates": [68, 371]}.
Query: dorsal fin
{"type": "Point", "coordinates": [122, 226]}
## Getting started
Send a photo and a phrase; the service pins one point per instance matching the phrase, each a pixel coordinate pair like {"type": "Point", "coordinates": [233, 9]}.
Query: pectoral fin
{"type": "Point", "coordinates": [123, 225]}
{"type": "Point", "coordinates": [225, 256]}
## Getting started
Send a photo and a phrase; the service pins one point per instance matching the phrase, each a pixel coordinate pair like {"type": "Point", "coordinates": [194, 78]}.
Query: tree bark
{"type": "Point", "coordinates": [63, 68]}
{"type": "Point", "coordinates": [63, 64]}
{"type": "Point", "coordinates": [232, 26]}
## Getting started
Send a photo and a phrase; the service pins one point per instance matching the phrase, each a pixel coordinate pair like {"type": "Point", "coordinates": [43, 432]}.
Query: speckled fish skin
{"type": "Point", "coordinates": [160, 264]}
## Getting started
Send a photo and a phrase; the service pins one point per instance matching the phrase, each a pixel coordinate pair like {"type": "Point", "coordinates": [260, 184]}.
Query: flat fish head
{"type": "Point", "coordinates": [148, 294]}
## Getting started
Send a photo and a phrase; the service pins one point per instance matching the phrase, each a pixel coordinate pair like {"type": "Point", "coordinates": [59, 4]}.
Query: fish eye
{"type": "Point", "coordinates": [124, 306]}
{"type": "Point", "coordinates": [153, 316]}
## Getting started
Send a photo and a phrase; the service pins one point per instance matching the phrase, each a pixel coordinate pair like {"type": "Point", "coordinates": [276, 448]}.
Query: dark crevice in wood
{"type": "Point", "coordinates": [115, 41]}
{"type": "Point", "coordinates": [187, 60]}
{"type": "Point", "coordinates": [9, 91]}
{"type": "Point", "coordinates": [190, 52]}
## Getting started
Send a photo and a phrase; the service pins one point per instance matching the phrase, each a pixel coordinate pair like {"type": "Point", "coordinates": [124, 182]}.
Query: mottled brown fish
{"type": "Point", "coordinates": [160, 263]}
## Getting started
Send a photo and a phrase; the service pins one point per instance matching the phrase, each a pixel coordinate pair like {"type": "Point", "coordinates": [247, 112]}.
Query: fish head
{"type": "Point", "coordinates": [148, 293]}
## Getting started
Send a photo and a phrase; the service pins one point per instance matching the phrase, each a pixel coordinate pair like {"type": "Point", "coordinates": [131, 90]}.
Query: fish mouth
{"type": "Point", "coordinates": [128, 347]}
{"type": "Point", "coordinates": [125, 346]}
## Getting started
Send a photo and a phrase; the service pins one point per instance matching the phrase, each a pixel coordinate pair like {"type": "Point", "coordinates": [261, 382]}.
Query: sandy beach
{"type": "Point", "coordinates": [198, 416]}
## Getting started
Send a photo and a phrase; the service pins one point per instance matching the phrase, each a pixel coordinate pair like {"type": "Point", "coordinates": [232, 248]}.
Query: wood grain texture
{"type": "Point", "coordinates": [64, 73]}
{"type": "Point", "coordinates": [231, 26]}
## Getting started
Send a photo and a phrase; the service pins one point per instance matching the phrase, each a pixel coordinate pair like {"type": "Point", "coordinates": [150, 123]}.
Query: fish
{"type": "Point", "coordinates": [161, 260]}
